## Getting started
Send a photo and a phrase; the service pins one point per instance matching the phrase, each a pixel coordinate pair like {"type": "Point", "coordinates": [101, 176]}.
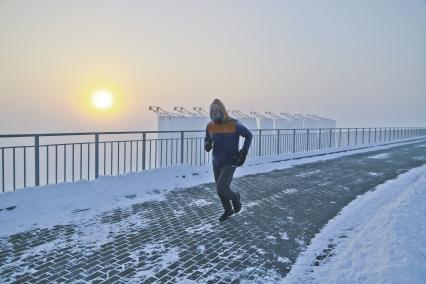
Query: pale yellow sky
{"type": "Point", "coordinates": [359, 62]}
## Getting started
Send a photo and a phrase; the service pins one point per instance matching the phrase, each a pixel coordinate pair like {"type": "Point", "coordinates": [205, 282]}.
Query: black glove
{"type": "Point", "coordinates": [240, 158]}
{"type": "Point", "coordinates": [208, 146]}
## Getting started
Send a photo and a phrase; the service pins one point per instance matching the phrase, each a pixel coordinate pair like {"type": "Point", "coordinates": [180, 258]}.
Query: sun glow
{"type": "Point", "coordinates": [102, 99]}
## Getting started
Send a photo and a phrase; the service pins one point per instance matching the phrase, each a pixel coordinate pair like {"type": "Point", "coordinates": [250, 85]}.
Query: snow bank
{"type": "Point", "coordinates": [380, 237]}
{"type": "Point", "coordinates": [66, 203]}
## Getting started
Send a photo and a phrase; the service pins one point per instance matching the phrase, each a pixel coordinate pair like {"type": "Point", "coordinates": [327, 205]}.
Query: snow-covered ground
{"type": "Point", "coordinates": [78, 202]}
{"type": "Point", "coordinates": [380, 237]}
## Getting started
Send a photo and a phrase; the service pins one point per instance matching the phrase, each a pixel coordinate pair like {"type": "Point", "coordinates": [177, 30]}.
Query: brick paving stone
{"type": "Point", "coordinates": [279, 217]}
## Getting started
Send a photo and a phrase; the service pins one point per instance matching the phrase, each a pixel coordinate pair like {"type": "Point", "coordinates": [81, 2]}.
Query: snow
{"type": "Point", "coordinates": [305, 174]}
{"type": "Point", "coordinates": [79, 202]}
{"type": "Point", "coordinates": [290, 191]}
{"type": "Point", "coordinates": [284, 259]}
{"type": "Point", "coordinates": [380, 156]}
{"type": "Point", "coordinates": [284, 236]}
{"type": "Point", "coordinates": [167, 256]}
{"type": "Point", "coordinates": [201, 248]}
{"type": "Point", "coordinates": [86, 239]}
{"type": "Point", "coordinates": [200, 202]}
{"type": "Point", "coordinates": [380, 237]}
{"type": "Point", "coordinates": [203, 228]}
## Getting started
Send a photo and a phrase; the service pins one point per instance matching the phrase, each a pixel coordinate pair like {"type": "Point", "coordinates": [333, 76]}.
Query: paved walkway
{"type": "Point", "coordinates": [181, 239]}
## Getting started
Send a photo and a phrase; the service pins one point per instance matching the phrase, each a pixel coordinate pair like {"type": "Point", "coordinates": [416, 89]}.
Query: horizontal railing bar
{"type": "Point", "coordinates": [113, 141]}
{"type": "Point", "coordinates": [17, 147]}
{"type": "Point", "coordinates": [178, 131]}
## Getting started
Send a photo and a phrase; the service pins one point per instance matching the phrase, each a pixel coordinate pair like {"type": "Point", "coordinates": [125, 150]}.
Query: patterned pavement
{"type": "Point", "coordinates": [179, 239]}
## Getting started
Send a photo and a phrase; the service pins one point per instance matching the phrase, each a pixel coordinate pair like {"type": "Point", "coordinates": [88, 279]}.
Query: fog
{"type": "Point", "coordinates": [362, 63]}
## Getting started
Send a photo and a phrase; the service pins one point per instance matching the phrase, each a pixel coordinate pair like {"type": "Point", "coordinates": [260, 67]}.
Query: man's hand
{"type": "Point", "coordinates": [240, 158]}
{"type": "Point", "coordinates": [208, 146]}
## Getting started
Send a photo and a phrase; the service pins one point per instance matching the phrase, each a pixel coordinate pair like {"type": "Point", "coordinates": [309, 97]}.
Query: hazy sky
{"type": "Point", "coordinates": [362, 63]}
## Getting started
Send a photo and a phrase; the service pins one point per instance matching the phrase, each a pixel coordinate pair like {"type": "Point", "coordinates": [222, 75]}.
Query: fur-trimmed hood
{"type": "Point", "coordinates": [219, 104]}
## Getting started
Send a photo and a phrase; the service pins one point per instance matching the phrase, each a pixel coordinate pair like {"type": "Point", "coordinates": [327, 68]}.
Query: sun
{"type": "Point", "coordinates": [102, 99]}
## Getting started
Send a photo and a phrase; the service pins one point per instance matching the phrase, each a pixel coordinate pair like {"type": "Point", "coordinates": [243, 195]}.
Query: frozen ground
{"type": "Point", "coordinates": [161, 226]}
{"type": "Point", "coordinates": [378, 238]}
{"type": "Point", "coordinates": [58, 204]}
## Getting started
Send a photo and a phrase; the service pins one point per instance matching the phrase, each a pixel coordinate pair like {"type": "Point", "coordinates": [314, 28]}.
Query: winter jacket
{"type": "Point", "coordinates": [224, 137]}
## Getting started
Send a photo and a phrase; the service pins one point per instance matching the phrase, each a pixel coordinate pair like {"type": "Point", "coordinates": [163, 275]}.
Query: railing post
{"type": "Point", "coordinates": [278, 142]}
{"type": "Point", "coordinates": [330, 138]}
{"type": "Point", "coordinates": [36, 160]}
{"type": "Point", "coordinates": [307, 140]}
{"type": "Point", "coordinates": [294, 140]}
{"type": "Point", "coordinates": [319, 139]}
{"type": "Point", "coordinates": [260, 142]}
{"type": "Point", "coordinates": [97, 155]}
{"type": "Point", "coordinates": [182, 136]}
{"type": "Point", "coordinates": [369, 135]}
{"type": "Point", "coordinates": [375, 135]}
{"type": "Point", "coordinates": [340, 136]}
{"type": "Point", "coordinates": [143, 150]}
{"type": "Point", "coordinates": [362, 136]}
{"type": "Point", "coordinates": [356, 136]}
{"type": "Point", "coordinates": [2, 169]}
{"type": "Point", "coordinates": [349, 137]}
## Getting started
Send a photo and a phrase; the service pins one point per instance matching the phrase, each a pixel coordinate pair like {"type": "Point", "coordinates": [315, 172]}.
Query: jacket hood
{"type": "Point", "coordinates": [219, 104]}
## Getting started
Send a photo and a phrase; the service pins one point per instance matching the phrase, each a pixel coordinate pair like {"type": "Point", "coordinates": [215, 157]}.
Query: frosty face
{"type": "Point", "coordinates": [216, 114]}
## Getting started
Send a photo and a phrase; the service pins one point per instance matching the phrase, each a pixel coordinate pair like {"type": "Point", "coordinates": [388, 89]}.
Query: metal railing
{"type": "Point", "coordinates": [41, 159]}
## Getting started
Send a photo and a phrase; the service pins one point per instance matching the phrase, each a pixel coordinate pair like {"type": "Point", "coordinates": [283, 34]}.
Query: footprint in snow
{"type": "Point", "coordinates": [8, 208]}
{"type": "Point", "coordinates": [79, 210]}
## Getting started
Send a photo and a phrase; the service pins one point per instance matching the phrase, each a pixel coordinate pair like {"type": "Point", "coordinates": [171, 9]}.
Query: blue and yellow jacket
{"type": "Point", "coordinates": [225, 138]}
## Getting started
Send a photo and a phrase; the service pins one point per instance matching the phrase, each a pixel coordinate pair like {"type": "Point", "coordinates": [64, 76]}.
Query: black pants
{"type": "Point", "coordinates": [223, 178]}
